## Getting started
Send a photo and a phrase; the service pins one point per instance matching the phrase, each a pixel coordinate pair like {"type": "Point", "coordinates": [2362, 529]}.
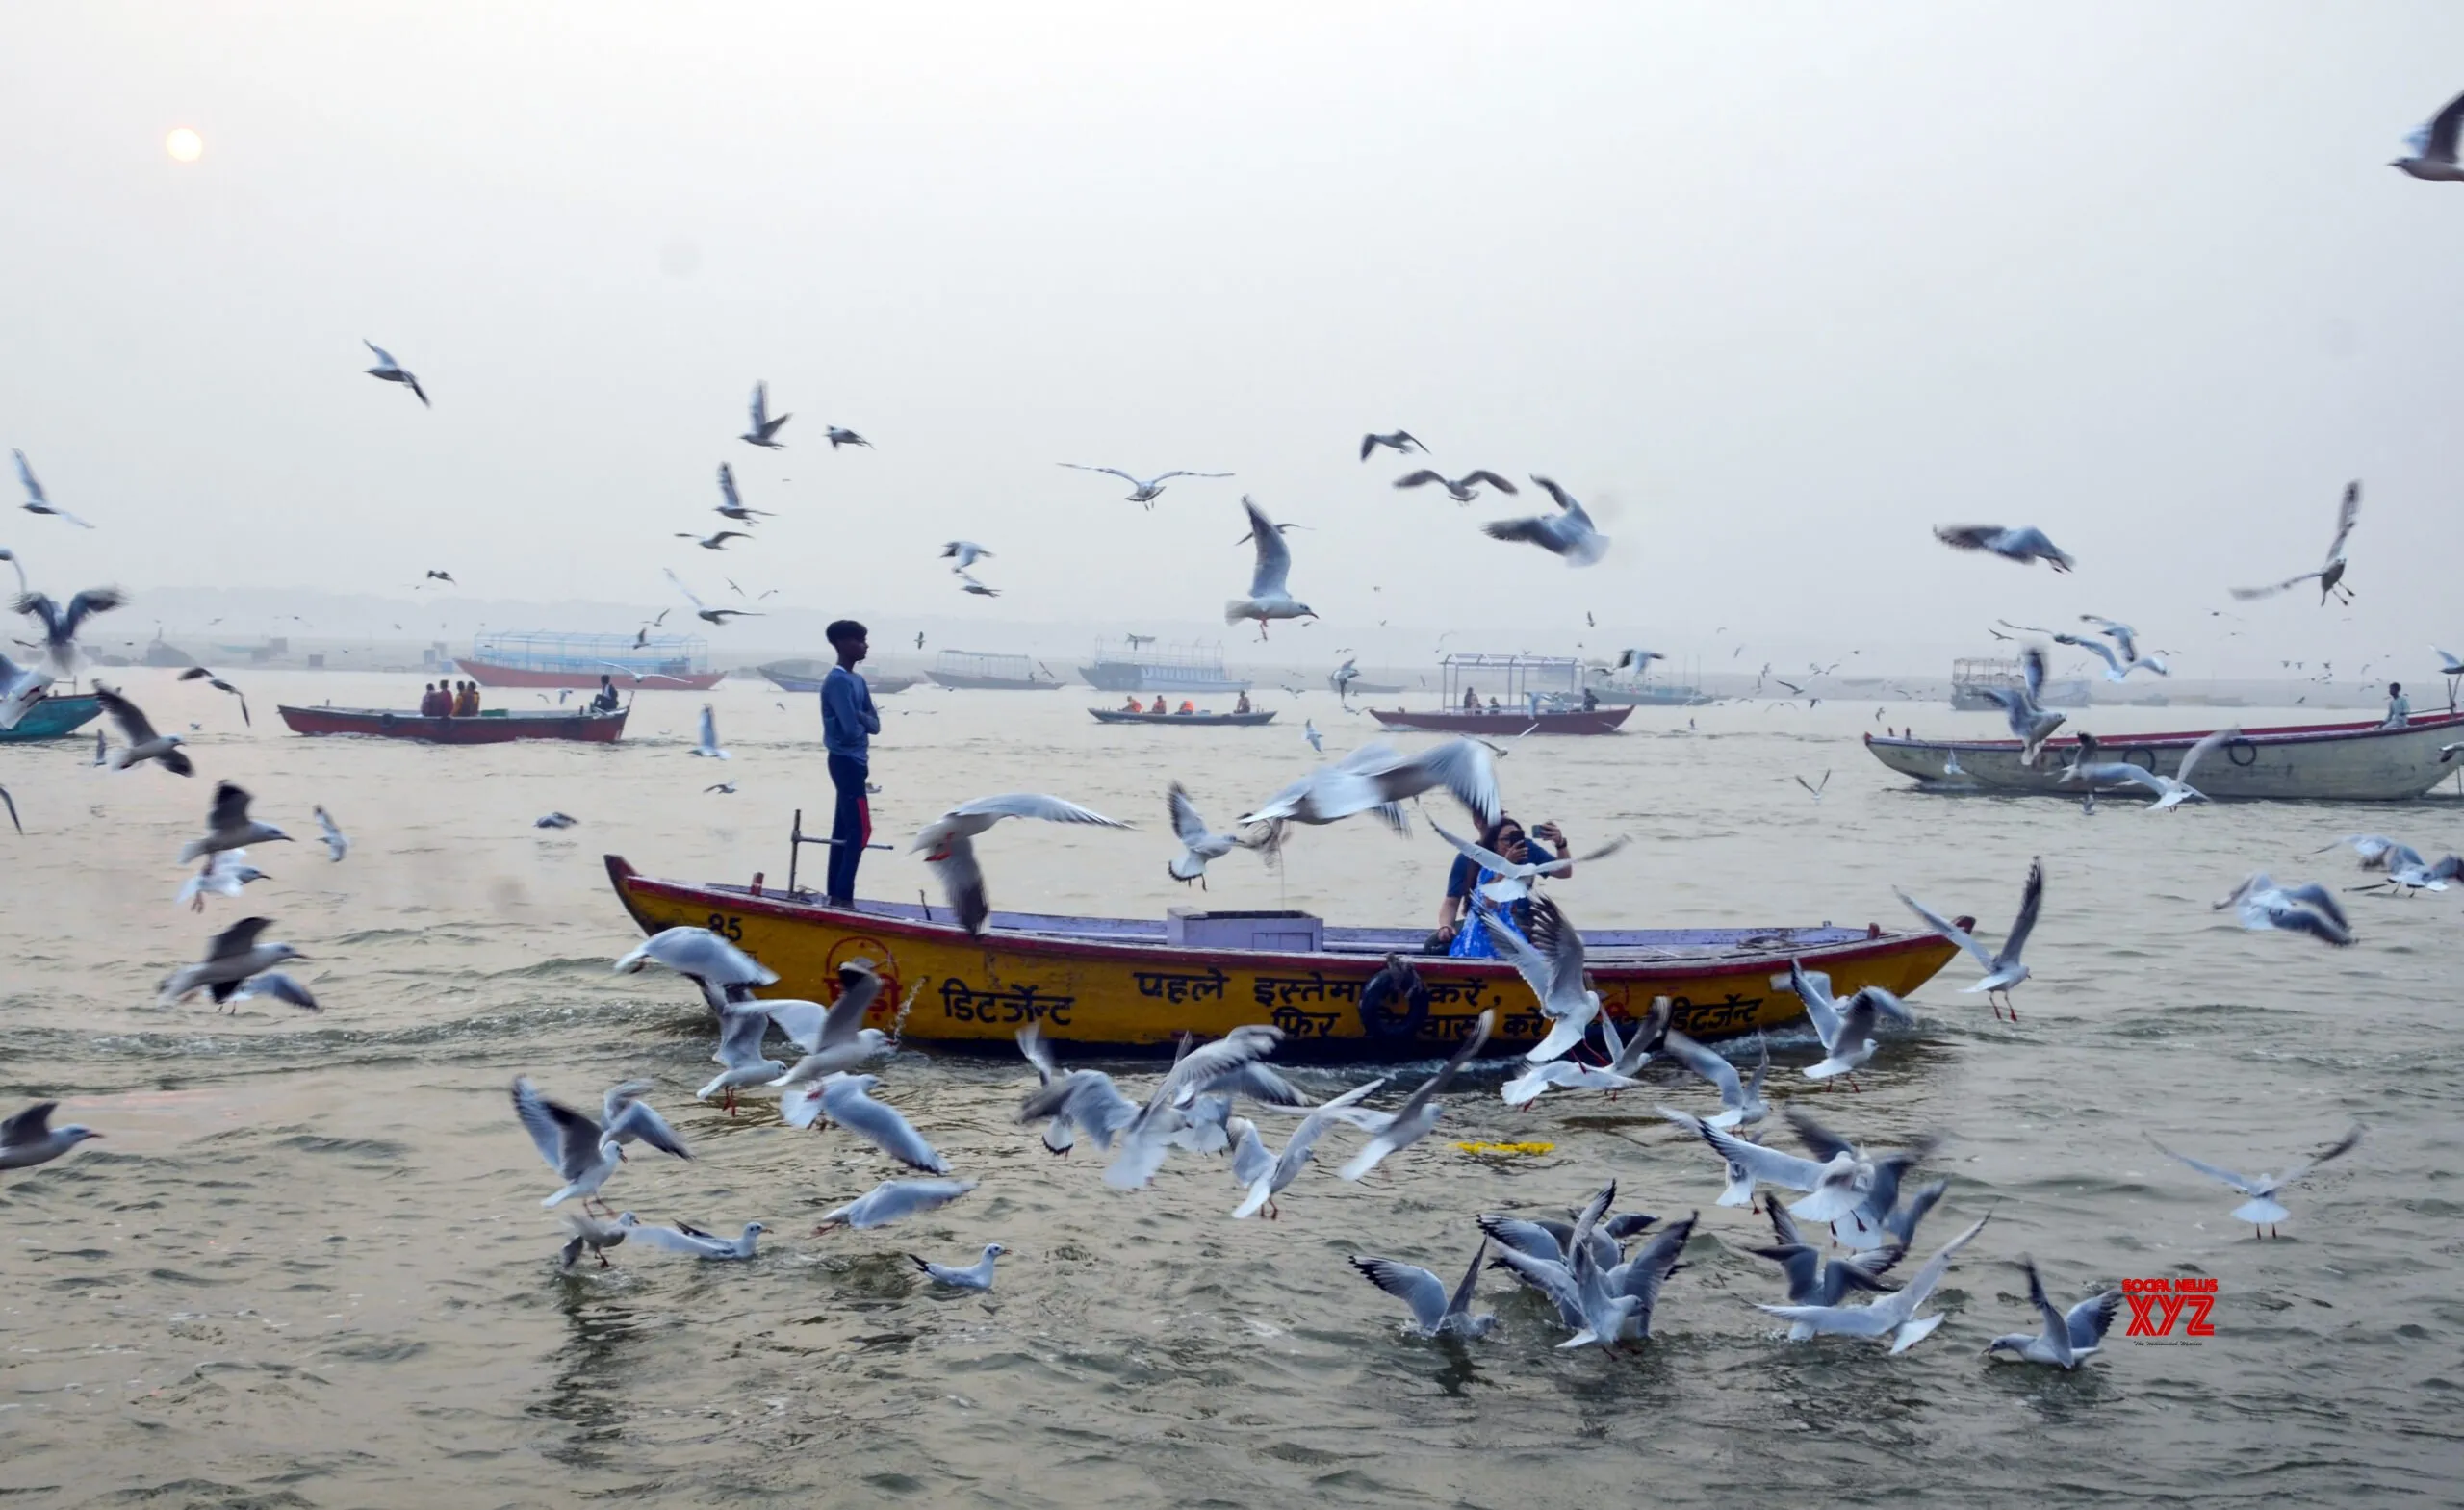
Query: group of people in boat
{"type": "Point", "coordinates": [1133, 706]}
{"type": "Point", "coordinates": [450, 700]}
{"type": "Point", "coordinates": [1471, 702]}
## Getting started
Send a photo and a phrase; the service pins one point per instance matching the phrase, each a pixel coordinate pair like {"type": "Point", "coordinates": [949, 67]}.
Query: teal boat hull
{"type": "Point", "coordinates": [54, 718]}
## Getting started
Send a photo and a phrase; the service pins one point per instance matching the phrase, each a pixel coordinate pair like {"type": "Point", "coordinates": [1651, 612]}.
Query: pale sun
{"type": "Point", "coordinates": [184, 144]}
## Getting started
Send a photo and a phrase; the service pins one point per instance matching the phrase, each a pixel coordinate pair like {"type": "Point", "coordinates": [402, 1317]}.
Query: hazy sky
{"type": "Point", "coordinates": [1774, 288]}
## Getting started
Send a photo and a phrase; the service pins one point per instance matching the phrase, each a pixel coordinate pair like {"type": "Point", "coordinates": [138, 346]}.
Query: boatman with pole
{"type": "Point", "coordinates": [848, 724]}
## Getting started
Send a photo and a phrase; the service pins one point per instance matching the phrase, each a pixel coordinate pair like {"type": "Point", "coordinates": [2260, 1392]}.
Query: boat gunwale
{"type": "Point", "coordinates": [625, 879]}
{"type": "Point", "coordinates": [2286, 734]}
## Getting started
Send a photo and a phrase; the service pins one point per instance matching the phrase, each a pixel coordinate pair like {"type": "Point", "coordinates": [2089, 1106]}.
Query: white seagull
{"type": "Point", "coordinates": [1551, 961]}
{"type": "Point", "coordinates": [222, 684]}
{"type": "Point", "coordinates": [228, 826]}
{"type": "Point", "coordinates": [692, 1240]}
{"type": "Point", "coordinates": [948, 847]}
{"type": "Point", "coordinates": [1462, 490]}
{"type": "Point", "coordinates": [1295, 1153]}
{"type": "Point", "coordinates": [389, 370]}
{"type": "Point", "coordinates": [1401, 442]}
{"type": "Point", "coordinates": [2069, 1337]}
{"type": "Point", "coordinates": [1378, 777]}
{"type": "Point", "coordinates": [706, 742]}
{"type": "Point", "coordinates": [1435, 1311]}
{"type": "Point", "coordinates": [1309, 732]}
{"type": "Point", "coordinates": [893, 1199]}
{"type": "Point", "coordinates": [1891, 1317]}
{"type": "Point", "coordinates": [765, 430]}
{"type": "Point", "coordinates": [1198, 845]}
{"type": "Point", "coordinates": [2261, 905]}
{"type": "Point", "coordinates": [977, 1275]}
{"type": "Point", "coordinates": [724, 973]}
{"type": "Point", "coordinates": [60, 626]}
{"type": "Point", "coordinates": [708, 615]}
{"type": "Point", "coordinates": [1566, 534]}
{"type": "Point", "coordinates": [1270, 595]}
{"type": "Point", "coordinates": [2003, 968]}
{"type": "Point", "coordinates": [1514, 881]}
{"type": "Point", "coordinates": [2022, 544]}
{"type": "Point", "coordinates": [839, 435]}
{"type": "Point", "coordinates": [37, 502]}
{"type": "Point", "coordinates": [1147, 490]}
{"type": "Point", "coordinates": [28, 1138]}
{"type": "Point", "coordinates": [2031, 723]}
{"type": "Point", "coordinates": [21, 687]}
{"type": "Point", "coordinates": [845, 1102]}
{"type": "Point", "coordinates": [731, 506]}
{"type": "Point", "coordinates": [585, 1152]}
{"type": "Point", "coordinates": [337, 843]}
{"type": "Point", "coordinates": [223, 873]}
{"type": "Point", "coordinates": [231, 958]}
{"type": "Point", "coordinates": [2429, 152]}
{"type": "Point", "coordinates": [744, 1024]}
{"type": "Point", "coordinates": [2330, 574]}
{"type": "Point", "coordinates": [2171, 791]}
{"type": "Point", "coordinates": [1413, 1119]}
{"type": "Point", "coordinates": [2262, 1209]}
{"type": "Point", "coordinates": [1740, 1100]}
{"type": "Point", "coordinates": [965, 552]}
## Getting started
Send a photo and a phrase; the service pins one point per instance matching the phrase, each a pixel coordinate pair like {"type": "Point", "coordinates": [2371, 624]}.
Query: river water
{"type": "Point", "coordinates": [308, 1267]}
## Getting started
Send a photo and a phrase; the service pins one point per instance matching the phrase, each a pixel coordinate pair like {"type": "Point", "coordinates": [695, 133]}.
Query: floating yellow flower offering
{"type": "Point", "coordinates": [1507, 1149]}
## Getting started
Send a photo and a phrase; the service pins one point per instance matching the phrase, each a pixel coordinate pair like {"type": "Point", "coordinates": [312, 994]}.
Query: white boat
{"type": "Point", "coordinates": [2329, 762]}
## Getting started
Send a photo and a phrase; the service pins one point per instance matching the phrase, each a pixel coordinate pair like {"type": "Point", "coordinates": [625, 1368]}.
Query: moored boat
{"type": "Point", "coordinates": [1119, 715]}
{"type": "Point", "coordinates": [491, 726]}
{"type": "Point", "coordinates": [1509, 723]}
{"type": "Point", "coordinates": [1134, 664]}
{"type": "Point", "coordinates": [546, 658]}
{"type": "Point", "coordinates": [807, 675]}
{"type": "Point", "coordinates": [1134, 985]}
{"type": "Point", "coordinates": [985, 670]}
{"type": "Point", "coordinates": [2332, 762]}
{"type": "Point", "coordinates": [54, 718]}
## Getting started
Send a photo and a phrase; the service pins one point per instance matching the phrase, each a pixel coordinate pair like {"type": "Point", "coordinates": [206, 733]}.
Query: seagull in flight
{"type": "Point", "coordinates": [1378, 777]}
{"type": "Point", "coordinates": [2262, 1209]}
{"type": "Point", "coordinates": [2171, 791]}
{"type": "Point", "coordinates": [37, 502]}
{"type": "Point", "coordinates": [947, 844]}
{"type": "Point", "coordinates": [2429, 152]}
{"type": "Point", "coordinates": [28, 1138]}
{"type": "Point", "coordinates": [968, 584]}
{"type": "Point", "coordinates": [1143, 491]}
{"type": "Point", "coordinates": [60, 626]}
{"type": "Point", "coordinates": [2022, 544]}
{"type": "Point", "coordinates": [2031, 723]}
{"type": "Point", "coordinates": [1401, 442]}
{"type": "Point", "coordinates": [2003, 969]}
{"type": "Point", "coordinates": [1815, 789]}
{"type": "Point", "coordinates": [1462, 490]}
{"type": "Point", "coordinates": [965, 554]}
{"type": "Point", "coordinates": [706, 742]}
{"type": "Point", "coordinates": [838, 437]}
{"type": "Point", "coordinates": [1567, 533]}
{"type": "Point", "coordinates": [707, 615]}
{"type": "Point", "coordinates": [731, 505]}
{"type": "Point", "coordinates": [1199, 845]}
{"type": "Point", "coordinates": [234, 959]}
{"type": "Point", "coordinates": [764, 429]}
{"type": "Point", "coordinates": [140, 743]}
{"type": "Point", "coordinates": [2261, 905]}
{"type": "Point", "coordinates": [1639, 660]}
{"type": "Point", "coordinates": [337, 843]}
{"type": "Point", "coordinates": [1891, 1317]}
{"type": "Point", "coordinates": [1435, 1313]}
{"type": "Point", "coordinates": [2126, 641]}
{"type": "Point", "coordinates": [389, 370]}
{"type": "Point", "coordinates": [1270, 597]}
{"type": "Point", "coordinates": [218, 685]}
{"type": "Point", "coordinates": [2069, 1337]}
{"type": "Point", "coordinates": [716, 542]}
{"type": "Point", "coordinates": [2331, 574]}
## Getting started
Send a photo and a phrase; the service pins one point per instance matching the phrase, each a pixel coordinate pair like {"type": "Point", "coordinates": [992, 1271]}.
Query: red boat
{"type": "Point", "coordinates": [494, 727]}
{"type": "Point", "coordinates": [490, 673]}
{"type": "Point", "coordinates": [1599, 721]}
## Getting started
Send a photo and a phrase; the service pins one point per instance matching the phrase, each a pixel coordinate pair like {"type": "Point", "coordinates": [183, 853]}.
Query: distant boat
{"type": "Point", "coordinates": [1507, 722]}
{"type": "Point", "coordinates": [984, 671]}
{"type": "Point", "coordinates": [2339, 762]}
{"type": "Point", "coordinates": [1527, 694]}
{"type": "Point", "coordinates": [1122, 715]}
{"type": "Point", "coordinates": [491, 726]}
{"type": "Point", "coordinates": [546, 658]}
{"type": "Point", "coordinates": [807, 675]}
{"type": "Point", "coordinates": [1652, 695]}
{"type": "Point", "coordinates": [1133, 665]}
{"type": "Point", "coordinates": [1970, 677]}
{"type": "Point", "coordinates": [54, 718]}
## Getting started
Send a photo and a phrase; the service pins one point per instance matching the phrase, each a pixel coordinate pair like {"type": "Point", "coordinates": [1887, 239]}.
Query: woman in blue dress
{"type": "Point", "coordinates": [1464, 929]}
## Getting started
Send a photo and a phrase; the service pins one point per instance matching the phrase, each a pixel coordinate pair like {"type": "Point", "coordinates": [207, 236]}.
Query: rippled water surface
{"type": "Point", "coordinates": [308, 1265]}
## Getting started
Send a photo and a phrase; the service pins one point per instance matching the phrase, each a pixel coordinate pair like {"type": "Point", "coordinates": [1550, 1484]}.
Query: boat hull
{"type": "Point", "coordinates": [492, 729]}
{"type": "Point", "coordinates": [1655, 696]}
{"type": "Point", "coordinates": [2323, 762]}
{"type": "Point", "coordinates": [1115, 715]}
{"type": "Point", "coordinates": [1116, 985]}
{"type": "Point", "coordinates": [964, 683]}
{"type": "Point", "coordinates": [1130, 675]}
{"type": "Point", "coordinates": [1599, 721]}
{"type": "Point", "coordinates": [798, 676]}
{"type": "Point", "coordinates": [54, 718]}
{"type": "Point", "coordinates": [490, 673]}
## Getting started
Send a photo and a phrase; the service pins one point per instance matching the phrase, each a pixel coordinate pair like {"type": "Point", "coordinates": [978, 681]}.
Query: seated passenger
{"type": "Point", "coordinates": [1188, 707]}
{"type": "Point", "coordinates": [1159, 706]}
{"type": "Point", "coordinates": [467, 706]}
{"type": "Point", "coordinates": [1461, 927]}
{"type": "Point", "coordinates": [427, 701]}
{"type": "Point", "coordinates": [1241, 705]}
{"type": "Point", "coordinates": [1131, 706]}
{"type": "Point", "coordinates": [607, 702]}
{"type": "Point", "coordinates": [1471, 699]}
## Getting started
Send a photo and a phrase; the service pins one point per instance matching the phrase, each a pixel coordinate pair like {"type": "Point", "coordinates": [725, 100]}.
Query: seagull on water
{"type": "Point", "coordinates": [2429, 152]}
{"type": "Point", "coordinates": [2330, 574]}
{"type": "Point", "coordinates": [224, 873]}
{"type": "Point", "coordinates": [2262, 1209]}
{"type": "Point", "coordinates": [38, 502]}
{"type": "Point", "coordinates": [1197, 844]}
{"type": "Point", "coordinates": [2003, 968]}
{"type": "Point", "coordinates": [2261, 905]}
{"type": "Point", "coordinates": [1412, 1120]}
{"type": "Point", "coordinates": [389, 370]}
{"type": "Point", "coordinates": [1400, 442]}
{"type": "Point", "coordinates": [1462, 490]}
{"type": "Point", "coordinates": [60, 626]}
{"type": "Point", "coordinates": [965, 552]}
{"type": "Point", "coordinates": [707, 615]}
{"type": "Point", "coordinates": [692, 1240]}
{"type": "Point", "coordinates": [232, 956]}
{"type": "Point", "coordinates": [585, 1152]}
{"type": "Point", "coordinates": [893, 1199]}
{"type": "Point", "coordinates": [1891, 1317]}
{"type": "Point", "coordinates": [706, 742]}
{"type": "Point", "coordinates": [764, 429]}
{"type": "Point", "coordinates": [2022, 544]}
{"type": "Point", "coordinates": [228, 826]}
{"type": "Point", "coordinates": [28, 1138]}
{"type": "Point", "coordinates": [1144, 491]}
{"type": "Point", "coordinates": [593, 1234]}
{"type": "Point", "coordinates": [2171, 791]}
{"type": "Point", "coordinates": [1270, 597]}
{"type": "Point", "coordinates": [1566, 534]}
{"type": "Point", "coordinates": [977, 1275]}
{"type": "Point", "coordinates": [2069, 1337]}
{"type": "Point", "coordinates": [1435, 1311]}
{"type": "Point", "coordinates": [730, 506]}
{"type": "Point", "coordinates": [948, 846]}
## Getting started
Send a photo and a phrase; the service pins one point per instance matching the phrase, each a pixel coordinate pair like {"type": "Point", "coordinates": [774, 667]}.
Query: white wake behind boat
{"type": "Point", "coordinates": [2329, 762]}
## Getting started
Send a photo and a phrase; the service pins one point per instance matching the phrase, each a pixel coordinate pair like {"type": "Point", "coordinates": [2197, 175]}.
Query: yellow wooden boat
{"type": "Point", "coordinates": [1130, 985]}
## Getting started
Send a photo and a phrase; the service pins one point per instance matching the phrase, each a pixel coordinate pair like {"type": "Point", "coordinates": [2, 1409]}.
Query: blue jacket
{"type": "Point", "coordinates": [847, 716]}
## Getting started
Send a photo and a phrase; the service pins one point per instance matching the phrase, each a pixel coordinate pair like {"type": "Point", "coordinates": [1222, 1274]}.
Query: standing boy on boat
{"type": "Point", "coordinates": [848, 724]}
